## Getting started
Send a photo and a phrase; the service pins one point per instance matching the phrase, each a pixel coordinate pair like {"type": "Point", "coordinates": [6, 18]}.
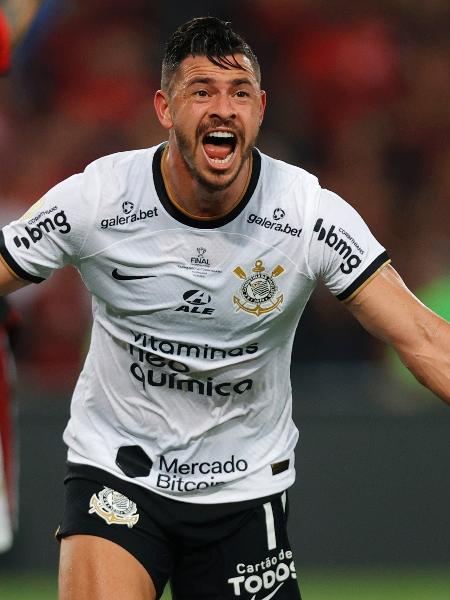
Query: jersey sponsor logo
{"type": "Point", "coordinates": [278, 214]}
{"type": "Point", "coordinates": [35, 234]}
{"type": "Point", "coordinates": [120, 277]}
{"type": "Point", "coordinates": [152, 370]}
{"type": "Point", "coordinates": [173, 473]}
{"type": "Point", "coordinates": [257, 292]}
{"type": "Point", "coordinates": [197, 300]}
{"type": "Point", "coordinates": [148, 370]}
{"type": "Point", "coordinates": [267, 576]}
{"type": "Point", "coordinates": [196, 297]}
{"type": "Point", "coordinates": [114, 508]}
{"type": "Point", "coordinates": [127, 207]}
{"type": "Point", "coordinates": [172, 348]}
{"type": "Point", "coordinates": [339, 245]}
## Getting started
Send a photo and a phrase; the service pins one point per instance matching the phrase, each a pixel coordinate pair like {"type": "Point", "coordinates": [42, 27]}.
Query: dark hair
{"type": "Point", "coordinates": [210, 37]}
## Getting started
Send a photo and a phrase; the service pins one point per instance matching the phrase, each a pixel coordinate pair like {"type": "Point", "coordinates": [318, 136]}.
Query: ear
{"type": "Point", "coordinates": [262, 107]}
{"type": "Point", "coordinates": [162, 109]}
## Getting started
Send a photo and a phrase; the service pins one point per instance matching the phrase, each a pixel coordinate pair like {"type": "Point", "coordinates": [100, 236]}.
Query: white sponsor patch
{"type": "Point", "coordinates": [114, 508]}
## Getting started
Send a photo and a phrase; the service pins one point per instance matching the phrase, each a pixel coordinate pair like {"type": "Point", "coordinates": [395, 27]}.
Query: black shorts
{"type": "Point", "coordinates": [227, 551]}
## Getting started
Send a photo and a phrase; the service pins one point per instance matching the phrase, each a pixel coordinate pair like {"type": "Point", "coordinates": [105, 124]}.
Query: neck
{"type": "Point", "coordinates": [193, 198]}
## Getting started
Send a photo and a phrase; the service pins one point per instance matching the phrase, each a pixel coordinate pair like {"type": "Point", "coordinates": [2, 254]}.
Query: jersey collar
{"type": "Point", "coordinates": [201, 223]}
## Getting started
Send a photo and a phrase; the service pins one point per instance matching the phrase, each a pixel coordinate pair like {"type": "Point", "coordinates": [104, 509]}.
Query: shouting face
{"type": "Point", "coordinates": [213, 115]}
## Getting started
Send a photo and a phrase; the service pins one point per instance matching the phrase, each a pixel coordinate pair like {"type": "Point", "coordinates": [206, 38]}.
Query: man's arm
{"type": "Point", "coordinates": [388, 310]}
{"type": "Point", "coordinates": [9, 282]}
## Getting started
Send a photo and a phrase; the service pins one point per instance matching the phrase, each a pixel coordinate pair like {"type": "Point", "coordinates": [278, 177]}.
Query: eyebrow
{"type": "Point", "coordinates": [209, 80]}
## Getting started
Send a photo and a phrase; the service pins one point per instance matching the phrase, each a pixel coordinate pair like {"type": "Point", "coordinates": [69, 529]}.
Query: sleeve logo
{"type": "Point", "coordinates": [257, 292]}
{"type": "Point", "coordinates": [35, 234]}
{"type": "Point", "coordinates": [339, 245]}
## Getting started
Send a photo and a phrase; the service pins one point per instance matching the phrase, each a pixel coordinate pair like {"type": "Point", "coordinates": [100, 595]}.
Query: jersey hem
{"type": "Point", "coordinates": [222, 497]}
{"type": "Point", "coordinates": [12, 266]}
{"type": "Point", "coordinates": [364, 278]}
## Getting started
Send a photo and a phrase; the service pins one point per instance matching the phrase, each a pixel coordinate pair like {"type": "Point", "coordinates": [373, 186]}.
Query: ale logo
{"type": "Point", "coordinates": [197, 299]}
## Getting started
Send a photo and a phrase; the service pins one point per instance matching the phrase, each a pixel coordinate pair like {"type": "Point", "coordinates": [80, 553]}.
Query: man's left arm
{"type": "Point", "coordinates": [389, 310]}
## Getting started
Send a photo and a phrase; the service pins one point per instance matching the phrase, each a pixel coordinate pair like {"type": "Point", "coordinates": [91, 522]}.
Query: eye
{"type": "Point", "coordinates": [242, 94]}
{"type": "Point", "coordinates": [201, 93]}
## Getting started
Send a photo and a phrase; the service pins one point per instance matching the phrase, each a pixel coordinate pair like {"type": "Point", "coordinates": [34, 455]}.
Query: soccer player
{"type": "Point", "coordinates": [200, 255]}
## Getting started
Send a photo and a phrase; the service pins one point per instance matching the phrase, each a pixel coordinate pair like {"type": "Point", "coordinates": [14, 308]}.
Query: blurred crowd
{"type": "Point", "coordinates": [358, 93]}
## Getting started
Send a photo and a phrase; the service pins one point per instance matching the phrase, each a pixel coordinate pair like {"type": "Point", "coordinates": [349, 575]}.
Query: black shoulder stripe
{"type": "Point", "coordinates": [15, 268]}
{"type": "Point", "coordinates": [368, 272]}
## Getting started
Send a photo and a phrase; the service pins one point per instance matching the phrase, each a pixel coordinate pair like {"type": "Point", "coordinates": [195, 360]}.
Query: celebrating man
{"type": "Point", "coordinates": [200, 255]}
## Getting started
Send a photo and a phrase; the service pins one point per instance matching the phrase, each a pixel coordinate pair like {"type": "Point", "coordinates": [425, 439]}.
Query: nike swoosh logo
{"type": "Point", "coordinates": [271, 595]}
{"type": "Point", "coordinates": [121, 277]}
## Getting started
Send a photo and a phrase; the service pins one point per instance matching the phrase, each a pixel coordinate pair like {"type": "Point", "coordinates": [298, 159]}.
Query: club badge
{"type": "Point", "coordinates": [258, 292]}
{"type": "Point", "coordinates": [114, 508]}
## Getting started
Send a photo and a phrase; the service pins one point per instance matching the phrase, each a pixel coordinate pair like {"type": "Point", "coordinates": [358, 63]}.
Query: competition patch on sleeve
{"type": "Point", "coordinates": [32, 210]}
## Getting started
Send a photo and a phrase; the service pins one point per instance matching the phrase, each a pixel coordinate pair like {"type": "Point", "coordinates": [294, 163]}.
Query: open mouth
{"type": "Point", "coordinates": [219, 147]}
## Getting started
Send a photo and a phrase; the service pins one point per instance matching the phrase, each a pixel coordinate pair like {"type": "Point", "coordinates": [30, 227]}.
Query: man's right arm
{"type": "Point", "coordinates": [9, 282]}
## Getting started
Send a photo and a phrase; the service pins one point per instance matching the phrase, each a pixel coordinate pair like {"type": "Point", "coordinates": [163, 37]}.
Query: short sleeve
{"type": "Point", "coordinates": [342, 250]}
{"type": "Point", "coordinates": [50, 234]}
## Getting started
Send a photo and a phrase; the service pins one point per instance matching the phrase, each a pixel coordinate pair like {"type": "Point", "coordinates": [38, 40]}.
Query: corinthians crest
{"type": "Point", "coordinates": [114, 507]}
{"type": "Point", "coordinates": [258, 292]}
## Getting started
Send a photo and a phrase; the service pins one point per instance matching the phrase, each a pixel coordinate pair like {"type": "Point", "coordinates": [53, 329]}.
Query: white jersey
{"type": "Point", "coordinates": [186, 388]}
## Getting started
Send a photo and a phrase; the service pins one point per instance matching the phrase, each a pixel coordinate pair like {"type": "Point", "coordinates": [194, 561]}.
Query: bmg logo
{"type": "Point", "coordinates": [351, 261]}
{"type": "Point", "coordinates": [35, 234]}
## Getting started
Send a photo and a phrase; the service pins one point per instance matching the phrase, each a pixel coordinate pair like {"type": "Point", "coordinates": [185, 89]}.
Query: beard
{"type": "Point", "coordinates": [219, 181]}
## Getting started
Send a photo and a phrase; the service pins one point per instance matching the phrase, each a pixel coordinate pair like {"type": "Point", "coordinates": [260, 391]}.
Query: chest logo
{"type": "Point", "coordinates": [114, 508]}
{"type": "Point", "coordinates": [258, 291]}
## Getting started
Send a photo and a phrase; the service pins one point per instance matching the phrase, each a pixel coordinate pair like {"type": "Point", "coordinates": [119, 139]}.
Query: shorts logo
{"type": "Point", "coordinates": [258, 291]}
{"type": "Point", "coordinates": [264, 579]}
{"type": "Point", "coordinates": [114, 508]}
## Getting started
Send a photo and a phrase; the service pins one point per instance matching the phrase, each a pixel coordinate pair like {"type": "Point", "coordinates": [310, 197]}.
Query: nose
{"type": "Point", "coordinates": [222, 107]}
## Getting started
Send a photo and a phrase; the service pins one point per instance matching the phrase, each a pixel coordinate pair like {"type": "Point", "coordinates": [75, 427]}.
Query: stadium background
{"type": "Point", "coordinates": [358, 93]}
